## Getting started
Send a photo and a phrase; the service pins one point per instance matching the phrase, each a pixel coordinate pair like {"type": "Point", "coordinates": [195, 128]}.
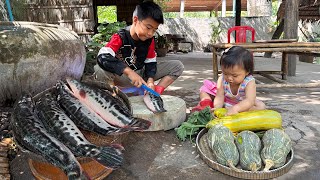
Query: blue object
{"type": "Point", "coordinates": [134, 90]}
{"type": "Point", "coordinates": [9, 10]}
{"type": "Point", "coordinates": [150, 90]}
{"type": "Point", "coordinates": [139, 91]}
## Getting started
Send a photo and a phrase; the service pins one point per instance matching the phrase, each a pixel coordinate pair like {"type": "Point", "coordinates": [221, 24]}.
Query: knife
{"type": "Point", "coordinates": [150, 90]}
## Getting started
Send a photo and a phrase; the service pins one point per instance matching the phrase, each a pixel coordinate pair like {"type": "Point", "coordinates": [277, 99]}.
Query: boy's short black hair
{"type": "Point", "coordinates": [237, 55]}
{"type": "Point", "coordinates": [149, 9]}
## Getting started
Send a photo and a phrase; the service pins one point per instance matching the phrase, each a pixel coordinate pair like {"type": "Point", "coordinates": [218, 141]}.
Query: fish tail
{"type": "Point", "coordinates": [83, 176]}
{"type": "Point", "coordinates": [108, 156]}
{"type": "Point", "coordinates": [74, 173]}
{"type": "Point", "coordinates": [139, 124]}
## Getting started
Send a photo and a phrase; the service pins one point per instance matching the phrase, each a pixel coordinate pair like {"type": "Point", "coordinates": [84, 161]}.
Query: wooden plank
{"type": "Point", "coordinates": [290, 50]}
{"type": "Point", "coordinates": [275, 41]}
{"type": "Point", "coordinates": [259, 71]}
{"type": "Point", "coordinates": [291, 85]}
{"type": "Point", "coordinates": [267, 45]}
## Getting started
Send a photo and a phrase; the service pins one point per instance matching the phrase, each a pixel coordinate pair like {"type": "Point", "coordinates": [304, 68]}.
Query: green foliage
{"type": "Point", "coordinates": [105, 31]}
{"type": "Point", "coordinates": [216, 30]}
{"type": "Point", "coordinates": [161, 3]}
{"type": "Point", "coordinates": [196, 121]}
{"type": "Point", "coordinates": [107, 14]}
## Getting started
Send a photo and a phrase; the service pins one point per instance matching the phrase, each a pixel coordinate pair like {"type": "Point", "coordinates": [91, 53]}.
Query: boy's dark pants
{"type": "Point", "coordinates": [172, 68]}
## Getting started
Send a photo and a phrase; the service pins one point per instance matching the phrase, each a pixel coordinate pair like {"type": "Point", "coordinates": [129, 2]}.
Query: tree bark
{"type": "Point", "coordinates": [291, 19]}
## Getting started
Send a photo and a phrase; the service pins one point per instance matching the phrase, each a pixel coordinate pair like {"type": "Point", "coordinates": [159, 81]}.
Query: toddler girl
{"type": "Point", "coordinates": [235, 88]}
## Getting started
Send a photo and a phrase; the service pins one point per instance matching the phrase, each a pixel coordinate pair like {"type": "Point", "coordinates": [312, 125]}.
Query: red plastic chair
{"type": "Point", "coordinates": [241, 33]}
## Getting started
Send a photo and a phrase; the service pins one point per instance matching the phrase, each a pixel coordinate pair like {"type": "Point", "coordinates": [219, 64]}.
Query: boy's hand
{"type": "Point", "coordinates": [136, 80]}
{"type": "Point", "coordinates": [150, 83]}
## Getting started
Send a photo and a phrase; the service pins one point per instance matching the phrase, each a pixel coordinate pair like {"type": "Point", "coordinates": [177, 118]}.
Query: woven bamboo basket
{"type": "Point", "coordinates": [207, 156]}
{"type": "Point", "coordinates": [45, 171]}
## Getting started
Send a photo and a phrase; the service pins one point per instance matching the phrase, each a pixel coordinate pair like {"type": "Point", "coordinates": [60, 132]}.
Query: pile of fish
{"type": "Point", "coordinates": [50, 125]}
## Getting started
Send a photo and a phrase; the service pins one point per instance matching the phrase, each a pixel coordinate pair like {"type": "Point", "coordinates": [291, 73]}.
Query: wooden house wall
{"type": "Point", "coordinates": [76, 15]}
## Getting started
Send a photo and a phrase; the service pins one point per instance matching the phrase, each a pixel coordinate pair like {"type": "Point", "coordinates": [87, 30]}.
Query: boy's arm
{"type": "Point", "coordinates": [248, 102]}
{"type": "Point", "coordinates": [219, 99]}
{"type": "Point", "coordinates": [151, 62]}
{"type": "Point", "coordinates": [106, 57]}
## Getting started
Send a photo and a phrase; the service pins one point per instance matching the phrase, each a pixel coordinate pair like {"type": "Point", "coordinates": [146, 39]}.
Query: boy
{"type": "Point", "coordinates": [129, 58]}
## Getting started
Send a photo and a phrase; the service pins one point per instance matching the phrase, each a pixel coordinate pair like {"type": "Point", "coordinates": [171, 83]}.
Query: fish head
{"type": "Point", "coordinates": [25, 100]}
{"type": "Point", "coordinates": [62, 87]}
{"type": "Point", "coordinates": [75, 87]}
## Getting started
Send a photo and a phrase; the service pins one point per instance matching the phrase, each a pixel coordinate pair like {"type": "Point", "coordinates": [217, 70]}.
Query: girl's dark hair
{"type": "Point", "coordinates": [149, 9]}
{"type": "Point", "coordinates": [237, 55]}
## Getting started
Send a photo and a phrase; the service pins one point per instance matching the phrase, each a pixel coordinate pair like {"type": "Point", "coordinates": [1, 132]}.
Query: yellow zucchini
{"type": "Point", "coordinates": [220, 112]}
{"type": "Point", "coordinates": [250, 120]}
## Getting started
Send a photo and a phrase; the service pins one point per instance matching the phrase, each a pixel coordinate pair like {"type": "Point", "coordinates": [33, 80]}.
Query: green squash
{"type": "Point", "coordinates": [249, 146]}
{"type": "Point", "coordinates": [221, 141]}
{"type": "Point", "coordinates": [276, 147]}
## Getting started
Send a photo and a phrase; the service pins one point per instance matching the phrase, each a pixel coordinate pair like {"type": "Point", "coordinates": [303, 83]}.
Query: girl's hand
{"type": "Point", "coordinates": [231, 111]}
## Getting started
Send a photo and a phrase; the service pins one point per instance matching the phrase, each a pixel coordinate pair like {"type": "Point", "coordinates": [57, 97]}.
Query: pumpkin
{"type": "Point", "coordinates": [249, 120]}
{"type": "Point", "coordinates": [276, 147]}
{"type": "Point", "coordinates": [249, 146]}
{"type": "Point", "coordinates": [221, 141]}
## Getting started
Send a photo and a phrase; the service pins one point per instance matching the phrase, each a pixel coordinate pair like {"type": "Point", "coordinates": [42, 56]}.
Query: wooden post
{"type": "Point", "coordinates": [214, 64]}
{"type": "Point", "coordinates": [223, 8]}
{"type": "Point", "coordinates": [284, 65]}
{"type": "Point", "coordinates": [291, 19]}
{"type": "Point", "coordinates": [181, 8]}
{"type": "Point", "coordinates": [238, 13]}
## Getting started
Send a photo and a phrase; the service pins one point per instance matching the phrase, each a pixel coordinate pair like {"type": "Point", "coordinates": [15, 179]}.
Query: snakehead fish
{"type": "Point", "coordinates": [81, 115]}
{"type": "Point", "coordinates": [63, 127]}
{"type": "Point", "coordinates": [154, 103]}
{"type": "Point", "coordinates": [30, 133]}
{"type": "Point", "coordinates": [106, 106]}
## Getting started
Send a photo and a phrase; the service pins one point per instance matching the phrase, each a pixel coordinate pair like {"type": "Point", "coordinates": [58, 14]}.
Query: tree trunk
{"type": "Point", "coordinates": [291, 19]}
{"type": "Point", "coordinates": [276, 35]}
{"type": "Point", "coordinates": [259, 8]}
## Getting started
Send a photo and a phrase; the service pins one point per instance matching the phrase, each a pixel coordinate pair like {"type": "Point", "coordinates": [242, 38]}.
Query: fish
{"type": "Point", "coordinates": [154, 103]}
{"type": "Point", "coordinates": [59, 124]}
{"type": "Point", "coordinates": [30, 133]}
{"type": "Point", "coordinates": [82, 115]}
{"type": "Point", "coordinates": [114, 91]}
{"type": "Point", "coordinates": [106, 106]}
